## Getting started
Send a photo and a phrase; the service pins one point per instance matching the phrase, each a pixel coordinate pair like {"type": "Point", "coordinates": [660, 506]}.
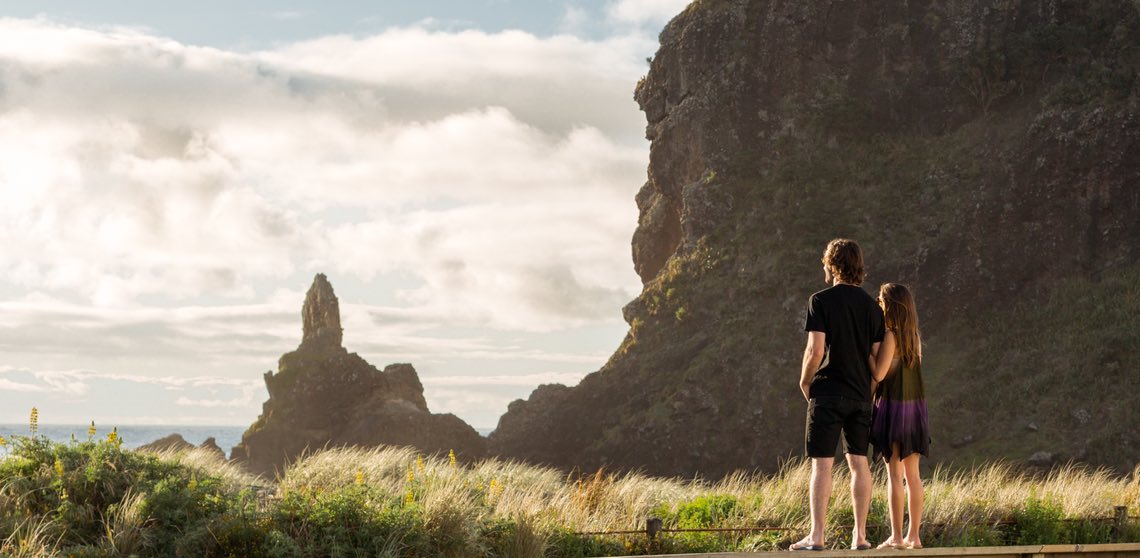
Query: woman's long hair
{"type": "Point", "coordinates": [902, 319]}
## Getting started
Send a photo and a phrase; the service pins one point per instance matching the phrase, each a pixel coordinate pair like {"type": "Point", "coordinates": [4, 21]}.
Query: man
{"type": "Point", "coordinates": [845, 327]}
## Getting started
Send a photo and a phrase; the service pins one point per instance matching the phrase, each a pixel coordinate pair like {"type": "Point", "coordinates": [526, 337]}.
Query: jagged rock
{"type": "Point", "coordinates": [175, 442]}
{"type": "Point", "coordinates": [1041, 459]}
{"type": "Point", "coordinates": [320, 318]}
{"type": "Point", "coordinates": [212, 446]}
{"type": "Point", "coordinates": [324, 396]}
{"type": "Point", "coordinates": [962, 144]}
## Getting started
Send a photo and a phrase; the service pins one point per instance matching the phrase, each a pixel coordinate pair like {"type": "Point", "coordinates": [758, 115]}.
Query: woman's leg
{"type": "Point", "coordinates": [915, 497]}
{"type": "Point", "coordinates": [894, 498]}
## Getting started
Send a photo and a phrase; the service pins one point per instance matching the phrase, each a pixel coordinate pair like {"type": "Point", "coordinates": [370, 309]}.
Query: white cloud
{"type": "Point", "coordinates": [239, 402]}
{"type": "Point", "coordinates": [574, 20]}
{"type": "Point", "coordinates": [9, 385]}
{"type": "Point", "coordinates": [567, 378]}
{"type": "Point", "coordinates": [288, 15]}
{"type": "Point", "coordinates": [154, 195]}
{"type": "Point", "coordinates": [645, 11]}
{"type": "Point", "coordinates": [144, 167]}
{"type": "Point", "coordinates": [553, 82]}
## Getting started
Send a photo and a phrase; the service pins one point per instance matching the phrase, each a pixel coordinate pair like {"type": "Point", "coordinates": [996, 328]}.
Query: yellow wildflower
{"type": "Point", "coordinates": [495, 489]}
{"type": "Point", "coordinates": [411, 473]}
{"type": "Point", "coordinates": [420, 463]}
{"type": "Point", "coordinates": [58, 467]}
{"type": "Point", "coordinates": [34, 420]}
{"type": "Point", "coordinates": [359, 477]}
{"type": "Point", "coordinates": [114, 439]}
{"type": "Point", "coordinates": [451, 459]}
{"type": "Point", "coordinates": [3, 441]}
{"type": "Point", "coordinates": [91, 430]}
{"type": "Point", "coordinates": [409, 498]}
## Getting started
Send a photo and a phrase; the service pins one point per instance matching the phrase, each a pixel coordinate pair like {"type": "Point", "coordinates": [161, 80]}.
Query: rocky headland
{"type": "Point", "coordinates": [323, 396]}
{"type": "Point", "coordinates": [988, 154]}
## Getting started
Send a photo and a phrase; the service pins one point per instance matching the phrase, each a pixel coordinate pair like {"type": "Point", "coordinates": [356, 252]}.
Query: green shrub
{"type": "Point", "coordinates": [350, 521]}
{"type": "Point", "coordinates": [1038, 521]}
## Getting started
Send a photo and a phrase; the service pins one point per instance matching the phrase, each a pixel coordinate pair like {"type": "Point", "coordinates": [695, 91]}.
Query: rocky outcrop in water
{"type": "Point", "coordinates": [323, 396]}
{"type": "Point", "coordinates": [985, 153]}
{"type": "Point", "coordinates": [175, 442]}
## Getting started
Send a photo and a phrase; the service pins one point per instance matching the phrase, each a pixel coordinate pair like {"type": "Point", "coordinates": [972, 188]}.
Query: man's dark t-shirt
{"type": "Point", "coordinates": [851, 322]}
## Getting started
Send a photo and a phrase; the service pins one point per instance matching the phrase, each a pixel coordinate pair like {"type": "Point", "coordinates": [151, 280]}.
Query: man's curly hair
{"type": "Point", "coordinates": [844, 260]}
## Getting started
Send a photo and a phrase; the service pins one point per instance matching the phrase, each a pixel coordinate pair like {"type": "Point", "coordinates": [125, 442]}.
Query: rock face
{"type": "Point", "coordinates": [984, 153]}
{"type": "Point", "coordinates": [320, 318]}
{"type": "Point", "coordinates": [324, 396]}
{"type": "Point", "coordinates": [176, 442]}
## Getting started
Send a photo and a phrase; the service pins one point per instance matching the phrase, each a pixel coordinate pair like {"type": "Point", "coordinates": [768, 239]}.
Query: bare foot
{"type": "Point", "coordinates": [806, 544]}
{"type": "Point", "coordinates": [912, 544]}
{"type": "Point", "coordinates": [891, 543]}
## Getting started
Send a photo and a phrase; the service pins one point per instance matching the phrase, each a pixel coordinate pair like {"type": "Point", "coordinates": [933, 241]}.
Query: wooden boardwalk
{"type": "Point", "coordinates": [1122, 550]}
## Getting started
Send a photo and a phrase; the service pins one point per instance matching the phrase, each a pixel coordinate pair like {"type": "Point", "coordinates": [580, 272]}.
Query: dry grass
{"type": "Point", "coordinates": [507, 508]}
{"type": "Point", "coordinates": [545, 498]}
{"type": "Point", "coordinates": [33, 538]}
{"type": "Point", "coordinates": [990, 493]}
{"type": "Point", "coordinates": [210, 463]}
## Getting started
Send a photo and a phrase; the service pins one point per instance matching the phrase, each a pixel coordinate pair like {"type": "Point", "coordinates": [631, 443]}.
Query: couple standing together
{"type": "Point", "coordinates": [862, 378]}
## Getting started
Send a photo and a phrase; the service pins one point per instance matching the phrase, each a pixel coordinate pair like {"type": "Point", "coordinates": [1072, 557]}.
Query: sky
{"type": "Point", "coordinates": [173, 175]}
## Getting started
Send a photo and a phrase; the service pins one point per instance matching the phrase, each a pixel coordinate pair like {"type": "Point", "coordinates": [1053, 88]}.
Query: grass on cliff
{"type": "Point", "coordinates": [93, 499]}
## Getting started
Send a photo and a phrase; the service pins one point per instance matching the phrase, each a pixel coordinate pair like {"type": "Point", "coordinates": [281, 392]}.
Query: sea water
{"type": "Point", "coordinates": [133, 436]}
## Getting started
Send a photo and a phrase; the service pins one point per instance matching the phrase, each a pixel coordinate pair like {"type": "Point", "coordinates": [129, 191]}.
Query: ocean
{"type": "Point", "coordinates": [133, 436]}
{"type": "Point", "coordinates": [136, 435]}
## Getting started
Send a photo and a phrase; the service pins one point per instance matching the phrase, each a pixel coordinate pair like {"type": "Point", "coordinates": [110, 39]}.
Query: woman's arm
{"type": "Point", "coordinates": [884, 358]}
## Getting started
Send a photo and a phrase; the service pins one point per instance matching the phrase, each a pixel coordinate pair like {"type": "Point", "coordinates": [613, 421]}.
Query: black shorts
{"type": "Point", "coordinates": [827, 416]}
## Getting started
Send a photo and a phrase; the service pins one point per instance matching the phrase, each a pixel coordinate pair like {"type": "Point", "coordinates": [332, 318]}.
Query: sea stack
{"type": "Point", "coordinates": [323, 396]}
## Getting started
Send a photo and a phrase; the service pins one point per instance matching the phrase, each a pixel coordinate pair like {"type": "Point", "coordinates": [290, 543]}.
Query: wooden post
{"type": "Point", "coordinates": [1120, 519]}
{"type": "Point", "coordinates": [652, 527]}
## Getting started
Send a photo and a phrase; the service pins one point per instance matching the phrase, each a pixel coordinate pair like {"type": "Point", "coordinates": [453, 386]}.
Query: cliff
{"type": "Point", "coordinates": [983, 152]}
{"type": "Point", "coordinates": [324, 396]}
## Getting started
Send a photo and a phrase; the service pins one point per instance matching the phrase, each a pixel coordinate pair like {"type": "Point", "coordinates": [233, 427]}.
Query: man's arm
{"type": "Point", "coordinates": [813, 356]}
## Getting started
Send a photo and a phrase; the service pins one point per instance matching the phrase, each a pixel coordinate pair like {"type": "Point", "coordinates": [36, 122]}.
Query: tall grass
{"type": "Point", "coordinates": [96, 500]}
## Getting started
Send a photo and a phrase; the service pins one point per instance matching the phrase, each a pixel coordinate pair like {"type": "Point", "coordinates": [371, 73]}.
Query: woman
{"type": "Point", "coordinates": [899, 427]}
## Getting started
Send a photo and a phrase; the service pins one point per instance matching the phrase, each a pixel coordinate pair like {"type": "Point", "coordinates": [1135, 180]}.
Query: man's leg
{"type": "Point", "coordinates": [824, 424]}
{"type": "Point", "coordinates": [820, 497]}
{"type": "Point", "coordinates": [860, 497]}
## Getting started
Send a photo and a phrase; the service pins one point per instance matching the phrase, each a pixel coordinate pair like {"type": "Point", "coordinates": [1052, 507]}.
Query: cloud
{"type": "Point", "coordinates": [136, 166]}
{"type": "Point", "coordinates": [554, 82]}
{"type": "Point", "coordinates": [477, 188]}
{"type": "Point", "coordinates": [80, 395]}
{"type": "Point", "coordinates": [77, 382]}
{"type": "Point", "coordinates": [645, 11]}
{"type": "Point", "coordinates": [574, 20]}
{"type": "Point", "coordinates": [239, 402]}
{"type": "Point", "coordinates": [531, 380]}
{"type": "Point", "coordinates": [9, 385]}
{"type": "Point", "coordinates": [288, 15]}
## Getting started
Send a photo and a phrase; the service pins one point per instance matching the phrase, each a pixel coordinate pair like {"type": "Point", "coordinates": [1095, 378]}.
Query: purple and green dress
{"type": "Point", "coordinates": [899, 414]}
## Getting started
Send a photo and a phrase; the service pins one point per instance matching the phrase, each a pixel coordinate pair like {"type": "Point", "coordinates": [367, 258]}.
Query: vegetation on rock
{"type": "Point", "coordinates": [986, 156]}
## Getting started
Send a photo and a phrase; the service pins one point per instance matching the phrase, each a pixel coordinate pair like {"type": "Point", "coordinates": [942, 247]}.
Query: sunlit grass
{"type": "Point", "coordinates": [394, 501]}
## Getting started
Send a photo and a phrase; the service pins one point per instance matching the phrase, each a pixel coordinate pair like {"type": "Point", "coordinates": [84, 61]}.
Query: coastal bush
{"type": "Point", "coordinates": [93, 499]}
